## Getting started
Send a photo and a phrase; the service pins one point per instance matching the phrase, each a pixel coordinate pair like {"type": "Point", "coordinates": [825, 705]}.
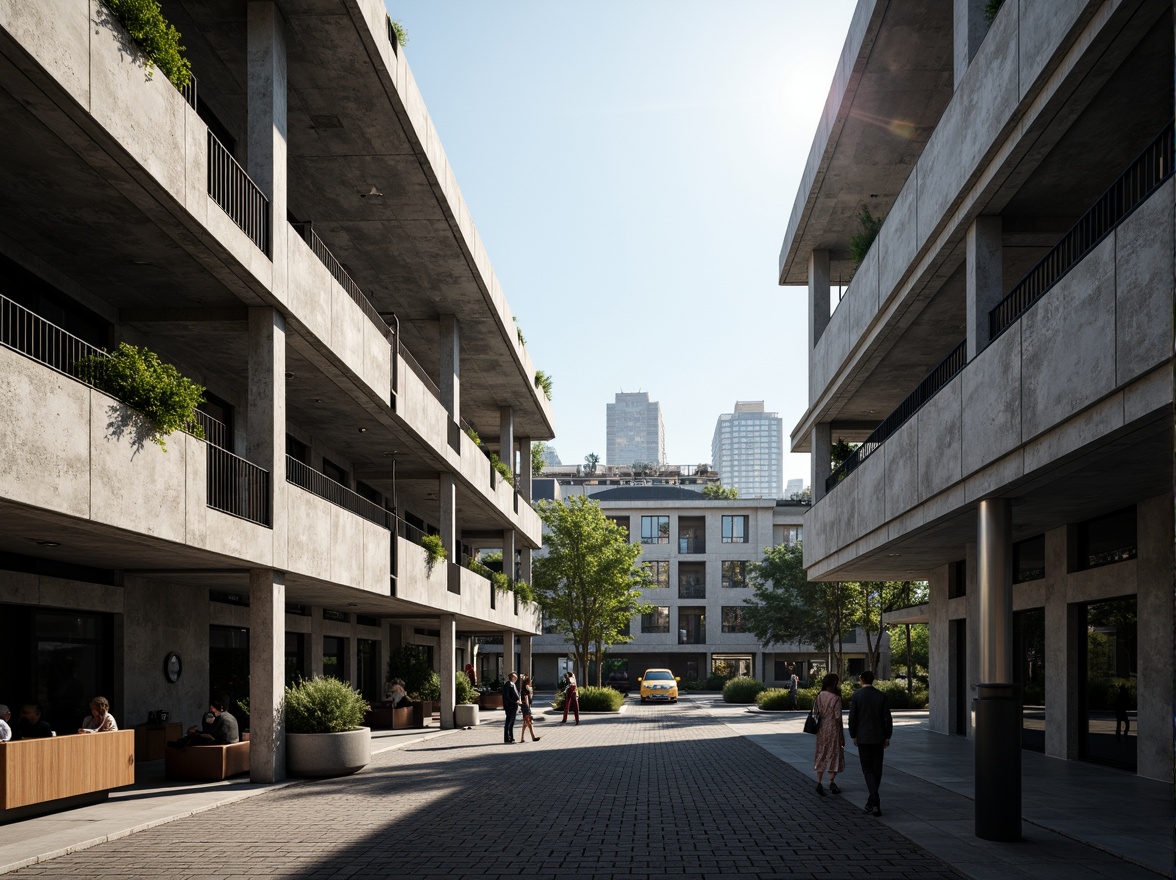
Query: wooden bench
{"type": "Point", "coordinates": [207, 763]}
{"type": "Point", "coordinates": [44, 775]}
{"type": "Point", "coordinates": [383, 717]}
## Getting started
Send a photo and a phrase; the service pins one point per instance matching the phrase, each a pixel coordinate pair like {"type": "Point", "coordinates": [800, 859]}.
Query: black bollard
{"type": "Point", "coordinates": [998, 761]}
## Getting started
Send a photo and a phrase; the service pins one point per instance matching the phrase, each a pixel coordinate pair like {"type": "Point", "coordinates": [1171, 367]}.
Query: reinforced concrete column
{"type": "Point", "coordinates": [525, 654]}
{"type": "Point", "coordinates": [985, 285]}
{"type": "Point", "coordinates": [267, 668]}
{"type": "Point", "coordinates": [508, 653]}
{"type": "Point", "coordinates": [820, 458]}
{"type": "Point", "coordinates": [525, 564]}
{"type": "Point", "coordinates": [316, 641]}
{"type": "Point", "coordinates": [1154, 566]}
{"type": "Point", "coordinates": [266, 125]}
{"type": "Point", "coordinates": [818, 285]}
{"type": "Point", "coordinates": [448, 669]}
{"type": "Point", "coordinates": [523, 477]}
{"type": "Point", "coordinates": [969, 26]}
{"type": "Point", "coordinates": [450, 378]}
{"type": "Point", "coordinates": [997, 707]}
{"type": "Point", "coordinates": [353, 654]}
{"type": "Point", "coordinates": [506, 438]}
{"type": "Point", "coordinates": [447, 514]}
{"type": "Point", "coordinates": [508, 554]}
{"type": "Point", "coordinates": [265, 416]}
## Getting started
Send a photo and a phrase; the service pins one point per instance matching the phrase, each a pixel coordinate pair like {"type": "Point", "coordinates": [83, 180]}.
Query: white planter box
{"type": "Point", "coordinates": [465, 715]}
{"type": "Point", "coordinates": [328, 754]}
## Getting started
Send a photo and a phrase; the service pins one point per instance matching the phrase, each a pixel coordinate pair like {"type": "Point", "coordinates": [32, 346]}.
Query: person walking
{"type": "Point", "coordinates": [510, 702]}
{"type": "Point", "coordinates": [527, 694]}
{"type": "Point", "coordinates": [870, 727]}
{"type": "Point", "coordinates": [571, 699]}
{"type": "Point", "coordinates": [830, 748]}
{"type": "Point", "coordinates": [793, 684]}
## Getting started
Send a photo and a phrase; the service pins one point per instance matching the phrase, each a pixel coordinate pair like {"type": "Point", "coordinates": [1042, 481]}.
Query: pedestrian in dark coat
{"type": "Point", "coordinates": [870, 728]}
{"type": "Point", "coordinates": [510, 702]}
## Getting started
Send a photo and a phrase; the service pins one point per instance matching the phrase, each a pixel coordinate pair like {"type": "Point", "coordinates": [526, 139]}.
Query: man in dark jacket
{"type": "Point", "coordinates": [220, 731]}
{"type": "Point", "coordinates": [510, 702]}
{"type": "Point", "coordinates": [870, 728]}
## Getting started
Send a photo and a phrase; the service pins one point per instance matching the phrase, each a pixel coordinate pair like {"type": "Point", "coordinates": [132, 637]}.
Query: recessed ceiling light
{"type": "Point", "coordinates": [363, 430]}
{"type": "Point", "coordinates": [373, 192]}
{"type": "Point", "coordinates": [893, 554]}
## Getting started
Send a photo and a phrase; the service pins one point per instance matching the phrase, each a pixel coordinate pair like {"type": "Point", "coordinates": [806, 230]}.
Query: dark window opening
{"type": "Point", "coordinates": [1029, 560]}
{"type": "Point", "coordinates": [1107, 539]}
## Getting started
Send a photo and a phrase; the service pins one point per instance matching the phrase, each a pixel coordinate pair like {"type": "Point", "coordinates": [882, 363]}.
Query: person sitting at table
{"type": "Point", "coordinates": [397, 696]}
{"type": "Point", "coordinates": [31, 725]}
{"type": "Point", "coordinates": [5, 729]}
{"type": "Point", "coordinates": [99, 720]}
{"type": "Point", "coordinates": [221, 732]}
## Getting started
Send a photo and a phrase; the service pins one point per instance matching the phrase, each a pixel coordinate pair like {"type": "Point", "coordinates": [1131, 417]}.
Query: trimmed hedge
{"type": "Point", "coordinates": [774, 700]}
{"type": "Point", "coordinates": [743, 689]}
{"type": "Point", "coordinates": [593, 699]}
{"type": "Point", "coordinates": [895, 692]}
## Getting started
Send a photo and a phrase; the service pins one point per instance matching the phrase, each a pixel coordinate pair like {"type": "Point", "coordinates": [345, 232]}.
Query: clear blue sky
{"type": "Point", "coordinates": [631, 167]}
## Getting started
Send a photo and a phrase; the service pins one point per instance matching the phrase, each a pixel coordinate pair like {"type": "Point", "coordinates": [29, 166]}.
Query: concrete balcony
{"type": "Point", "coordinates": [1086, 366]}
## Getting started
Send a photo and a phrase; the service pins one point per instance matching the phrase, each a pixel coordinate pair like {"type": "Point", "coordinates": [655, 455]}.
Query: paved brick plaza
{"type": "Point", "coordinates": [661, 791]}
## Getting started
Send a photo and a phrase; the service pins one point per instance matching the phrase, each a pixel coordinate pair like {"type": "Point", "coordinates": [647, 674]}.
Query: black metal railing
{"type": "Point", "coordinates": [238, 487]}
{"type": "Point", "coordinates": [324, 487]}
{"type": "Point", "coordinates": [420, 372]}
{"type": "Point", "coordinates": [238, 196]}
{"type": "Point", "coordinates": [410, 532]}
{"type": "Point", "coordinates": [1141, 179]}
{"type": "Point", "coordinates": [189, 91]}
{"type": "Point", "coordinates": [29, 334]}
{"type": "Point", "coordinates": [306, 233]}
{"type": "Point", "coordinates": [215, 431]}
{"type": "Point", "coordinates": [940, 375]}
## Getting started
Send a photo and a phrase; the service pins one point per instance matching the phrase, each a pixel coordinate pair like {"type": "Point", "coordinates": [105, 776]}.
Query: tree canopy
{"type": "Point", "coordinates": [716, 490]}
{"type": "Point", "coordinates": [588, 583]}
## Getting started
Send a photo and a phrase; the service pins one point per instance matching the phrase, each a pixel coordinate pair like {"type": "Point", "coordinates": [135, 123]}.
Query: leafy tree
{"type": "Point", "coordinates": [716, 490]}
{"type": "Point", "coordinates": [840, 451]}
{"type": "Point", "coordinates": [591, 460]}
{"type": "Point", "coordinates": [588, 581]}
{"type": "Point", "coordinates": [920, 652]}
{"type": "Point", "coordinates": [538, 458]}
{"type": "Point", "coordinates": [787, 607]}
{"type": "Point", "coordinates": [872, 599]}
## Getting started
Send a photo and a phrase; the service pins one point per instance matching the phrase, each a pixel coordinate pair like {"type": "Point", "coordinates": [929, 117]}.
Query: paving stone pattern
{"type": "Point", "coordinates": [659, 792]}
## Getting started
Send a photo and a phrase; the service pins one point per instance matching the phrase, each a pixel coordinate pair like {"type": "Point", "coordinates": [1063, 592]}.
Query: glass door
{"type": "Point", "coordinates": [1108, 691]}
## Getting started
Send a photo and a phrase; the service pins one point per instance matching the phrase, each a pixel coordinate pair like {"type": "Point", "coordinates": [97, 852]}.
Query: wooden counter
{"type": "Point", "coordinates": [63, 771]}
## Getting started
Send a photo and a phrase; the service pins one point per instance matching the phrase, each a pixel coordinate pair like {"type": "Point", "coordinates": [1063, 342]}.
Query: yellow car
{"type": "Point", "coordinates": [659, 684]}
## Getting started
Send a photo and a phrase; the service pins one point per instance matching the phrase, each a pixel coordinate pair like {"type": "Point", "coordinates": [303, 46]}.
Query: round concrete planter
{"type": "Point", "coordinates": [328, 754]}
{"type": "Point", "coordinates": [465, 715]}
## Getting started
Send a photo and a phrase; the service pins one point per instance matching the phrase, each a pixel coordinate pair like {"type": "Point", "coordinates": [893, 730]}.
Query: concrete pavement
{"type": "Point", "coordinates": [685, 791]}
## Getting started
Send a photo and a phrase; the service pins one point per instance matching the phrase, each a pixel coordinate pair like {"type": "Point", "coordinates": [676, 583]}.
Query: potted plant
{"type": "Point", "coordinates": [465, 710]}
{"type": "Point", "coordinates": [324, 732]}
{"type": "Point", "coordinates": [491, 695]}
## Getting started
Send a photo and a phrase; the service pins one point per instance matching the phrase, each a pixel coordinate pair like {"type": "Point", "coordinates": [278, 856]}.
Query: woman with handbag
{"type": "Point", "coordinates": [830, 751]}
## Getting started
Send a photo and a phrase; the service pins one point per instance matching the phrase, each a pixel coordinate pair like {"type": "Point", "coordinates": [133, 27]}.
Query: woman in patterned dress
{"type": "Point", "coordinates": [830, 755]}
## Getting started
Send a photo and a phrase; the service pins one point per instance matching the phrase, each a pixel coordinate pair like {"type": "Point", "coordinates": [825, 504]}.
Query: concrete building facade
{"type": "Point", "coordinates": [699, 553]}
{"type": "Point", "coordinates": [1002, 354]}
{"type": "Point", "coordinates": [287, 231]}
{"type": "Point", "coordinates": [748, 450]}
{"type": "Point", "coordinates": [634, 431]}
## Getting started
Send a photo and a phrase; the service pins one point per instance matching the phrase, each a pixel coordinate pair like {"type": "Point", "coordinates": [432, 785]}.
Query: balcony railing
{"type": "Point", "coordinates": [232, 189]}
{"type": "Point", "coordinates": [307, 233]}
{"type": "Point", "coordinates": [940, 375]}
{"type": "Point", "coordinates": [189, 91]}
{"type": "Point", "coordinates": [326, 488]}
{"type": "Point", "coordinates": [215, 431]}
{"type": "Point", "coordinates": [420, 372]}
{"type": "Point", "coordinates": [29, 334]}
{"type": "Point", "coordinates": [1134, 185]}
{"type": "Point", "coordinates": [692, 590]}
{"type": "Point", "coordinates": [238, 487]}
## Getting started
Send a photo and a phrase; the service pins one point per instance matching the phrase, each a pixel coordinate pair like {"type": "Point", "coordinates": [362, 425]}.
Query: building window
{"type": "Point", "coordinates": [691, 580]}
{"type": "Point", "coordinates": [735, 574]}
{"type": "Point", "coordinates": [791, 535]}
{"type": "Point", "coordinates": [691, 534]}
{"type": "Point", "coordinates": [1106, 540]}
{"type": "Point", "coordinates": [733, 619]}
{"type": "Point", "coordinates": [656, 621]}
{"type": "Point", "coordinates": [1029, 560]}
{"type": "Point", "coordinates": [623, 522]}
{"type": "Point", "coordinates": [691, 626]}
{"type": "Point", "coordinates": [957, 579]}
{"type": "Point", "coordinates": [659, 573]}
{"type": "Point", "coordinates": [734, 529]}
{"type": "Point", "coordinates": [655, 530]}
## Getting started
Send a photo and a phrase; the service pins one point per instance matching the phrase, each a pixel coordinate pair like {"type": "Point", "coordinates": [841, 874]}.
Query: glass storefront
{"type": "Point", "coordinates": [1029, 654]}
{"type": "Point", "coordinates": [368, 681]}
{"type": "Point", "coordinates": [1109, 668]}
{"type": "Point", "coordinates": [228, 668]}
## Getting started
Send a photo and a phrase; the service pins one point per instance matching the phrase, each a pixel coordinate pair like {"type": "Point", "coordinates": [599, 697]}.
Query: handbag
{"type": "Point", "coordinates": [812, 723]}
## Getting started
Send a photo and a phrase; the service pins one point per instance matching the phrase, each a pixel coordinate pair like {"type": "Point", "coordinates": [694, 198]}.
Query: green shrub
{"type": "Point", "coordinates": [323, 705]}
{"type": "Point", "coordinates": [896, 695]}
{"type": "Point", "coordinates": [408, 663]}
{"type": "Point", "coordinates": [151, 32]}
{"type": "Point", "coordinates": [773, 699]}
{"type": "Point", "coordinates": [599, 699]}
{"type": "Point", "coordinates": [463, 688]}
{"type": "Point", "coordinates": [742, 689]}
{"type": "Point", "coordinates": [501, 466]}
{"type": "Point", "coordinates": [859, 242]}
{"type": "Point", "coordinates": [805, 697]}
{"type": "Point", "coordinates": [434, 549]}
{"type": "Point", "coordinates": [712, 682]}
{"type": "Point", "coordinates": [398, 29]}
{"type": "Point", "coordinates": [544, 383]}
{"type": "Point", "coordinates": [143, 382]}
{"type": "Point", "coordinates": [431, 687]}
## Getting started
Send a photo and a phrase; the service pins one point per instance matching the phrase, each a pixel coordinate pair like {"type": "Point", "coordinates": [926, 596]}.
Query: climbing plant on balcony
{"type": "Point", "coordinates": [860, 241]}
{"type": "Point", "coordinates": [543, 382]}
{"type": "Point", "coordinates": [502, 468]}
{"type": "Point", "coordinates": [156, 390]}
{"type": "Point", "coordinates": [434, 550]}
{"type": "Point", "coordinates": [398, 29]}
{"type": "Point", "coordinates": [155, 36]}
